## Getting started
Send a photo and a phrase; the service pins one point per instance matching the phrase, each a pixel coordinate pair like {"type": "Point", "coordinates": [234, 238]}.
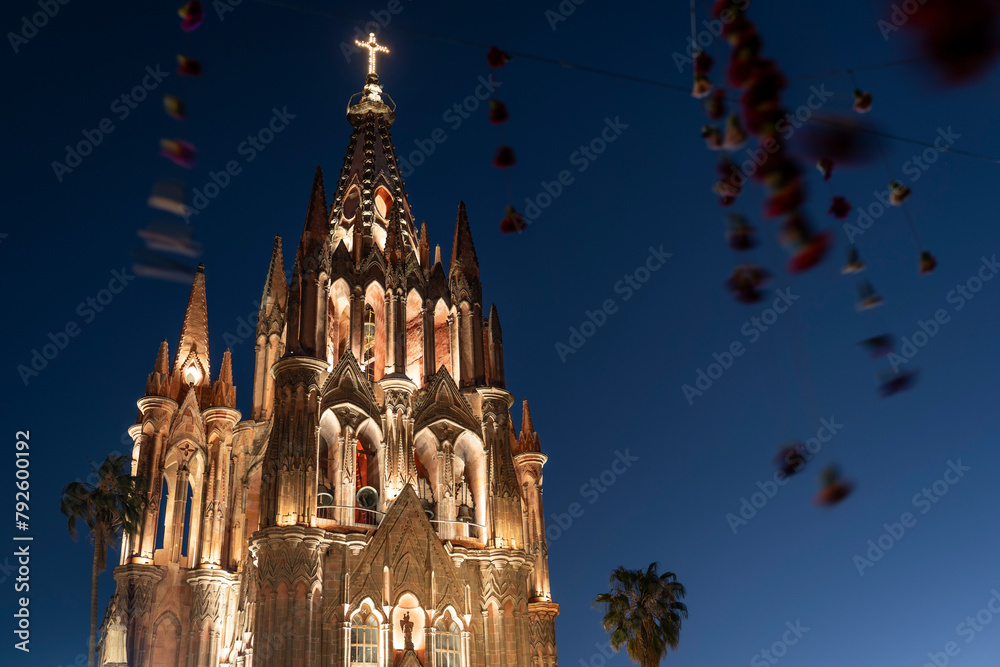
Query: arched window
{"type": "Point", "coordinates": [368, 349]}
{"type": "Point", "coordinates": [364, 640]}
{"type": "Point", "coordinates": [447, 648]}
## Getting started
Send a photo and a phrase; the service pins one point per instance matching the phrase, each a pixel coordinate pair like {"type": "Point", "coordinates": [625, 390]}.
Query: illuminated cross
{"type": "Point", "coordinates": [373, 48]}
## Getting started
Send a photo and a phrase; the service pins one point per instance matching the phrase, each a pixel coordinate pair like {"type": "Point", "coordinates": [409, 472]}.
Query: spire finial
{"type": "Point", "coordinates": [373, 48]}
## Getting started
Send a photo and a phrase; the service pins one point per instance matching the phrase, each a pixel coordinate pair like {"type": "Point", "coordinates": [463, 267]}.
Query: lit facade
{"type": "Point", "coordinates": [377, 508]}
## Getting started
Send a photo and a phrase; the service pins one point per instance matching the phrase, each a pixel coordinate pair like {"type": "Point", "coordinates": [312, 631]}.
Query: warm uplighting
{"type": "Point", "coordinates": [192, 375]}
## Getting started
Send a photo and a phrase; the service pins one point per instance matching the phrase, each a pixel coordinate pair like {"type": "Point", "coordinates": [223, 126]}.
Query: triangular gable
{"type": "Point", "coordinates": [348, 384]}
{"type": "Point", "coordinates": [187, 423]}
{"type": "Point", "coordinates": [443, 401]}
{"type": "Point", "coordinates": [408, 545]}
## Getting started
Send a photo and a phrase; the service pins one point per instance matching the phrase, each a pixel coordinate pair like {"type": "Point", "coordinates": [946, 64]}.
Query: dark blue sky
{"type": "Point", "coordinates": [621, 391]}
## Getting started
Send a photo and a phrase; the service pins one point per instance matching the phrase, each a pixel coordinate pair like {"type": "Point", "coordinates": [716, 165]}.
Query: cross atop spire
{"type": "Point", "coordinates": [373, 48]}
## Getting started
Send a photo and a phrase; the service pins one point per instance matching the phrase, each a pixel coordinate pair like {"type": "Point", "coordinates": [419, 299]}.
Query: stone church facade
{"type": "Point", "coordinates": [378, 507]}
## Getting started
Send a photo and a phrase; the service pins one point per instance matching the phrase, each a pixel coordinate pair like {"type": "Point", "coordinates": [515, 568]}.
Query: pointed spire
{"type": "Point", "coordinates": [318, 215]}
{"type": "Point", "coordinates": [193, 347]}
{"type": "Point", "coordinates": [223, 391]}
{"type": "Point", "coordinates": [494, 325]}
{"type": "Point", "coordinates": [529, 441]}
{"type": "Point", "coordinates": [162, 364]}
{"type": "Point", "coordinates": [158, 382]}
{"type": "Point", "coordinates": [424, 249]}
{"type": "Point", "coordinates": [226, 372]}
{"type": "Point", "coordinates": [463, 249]}
{"type": "Point", "coordinates": [526, 425]}
{"type": "Point", "coordinates": [437, 254]}
{"type": "Point", "coordinates": [275, 289]}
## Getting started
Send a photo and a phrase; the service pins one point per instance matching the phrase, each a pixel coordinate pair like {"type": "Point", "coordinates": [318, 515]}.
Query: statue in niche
{"type": "Point", "coordinates": [407, 625]}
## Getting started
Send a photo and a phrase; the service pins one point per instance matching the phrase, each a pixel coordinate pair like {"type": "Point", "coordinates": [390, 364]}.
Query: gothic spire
{"type": "Point", "coordinates": [275, 289]}
{"type": "Point", "coordinates": [528, 442]}
{"type": "Point", "coordinates": [463, 249]}
{"type": "Point", "coordinates": [158, 382]}
{"type": "Point", "coordinates": [192, 351]}
{"type": "Point", "coordinates": [317, 216]}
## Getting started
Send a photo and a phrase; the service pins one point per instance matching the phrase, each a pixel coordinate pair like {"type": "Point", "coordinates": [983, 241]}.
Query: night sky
{"type": "Point", "coordinates": [619, 396]}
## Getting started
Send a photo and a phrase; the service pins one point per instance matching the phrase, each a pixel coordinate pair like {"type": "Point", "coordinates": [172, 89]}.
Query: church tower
{"type": "Point", "coordinates": [378, 507]}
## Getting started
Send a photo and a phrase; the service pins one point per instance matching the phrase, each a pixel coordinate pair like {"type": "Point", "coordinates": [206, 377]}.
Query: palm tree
{"type": "Point", "coordinates": [643, 613]}
{"type": "Point", "coordinates": [111, 506]}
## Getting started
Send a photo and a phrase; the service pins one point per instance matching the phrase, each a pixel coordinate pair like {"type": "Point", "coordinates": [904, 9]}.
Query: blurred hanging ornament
{"type": "Point", "coordinates": [180, 152]}
{"type": "Point", "coordinates": [878, 346]}
{"type": "Point", "coordinates": [715, 105]}
{"type": "Point", "coordinates": [898, 193]}
{"type": "Point", "coordinates": [702, 87]}
{"type": "Point", "coordinates": [740, 235]}
{"type": "Point", "coordinates": [735, 136]}
{"type": "Point", "coordinates": [862, 101]}
{"type": "Point", "coordinates": [785, 200]}
{"type": "Point", "coordinates": [497, 58]}
{"type": "Point", "coordinates": [854, 263]}
{"type": "Point", "coordinates": [712, 137]}
{"type": "Point", "coordinates": [513, 222]}
{"type": "Point", "coordinates": [174, 107]}
{"type": "Point", "coordinates": [927, 262]}
{"type": "Point", "coordinates": [188, 66]}
{"type": "Point", "coordinates": [894, 382]}
{"type": "Point", "coordinates": [790, 458]}
{"type": "Point", "coordinates": [833, 488]}
{"type": "Point", "coordinates": [192, 15]}
{"type": "Point", "coordinates": [810, 253]}
{"type": "Point", "coordinates": [825, 166]}
{"type": "Point", "coordinates": [746, 281]}
{"type": "Point", "coordinates": [498, 112]}
{"type": "Point", "coordinates": [959, 37]}
{"type": "Point", "coordinates": [840, 208]}
{"type": "Point", "coordinates": [867, 297]}
{"type": "Point", "coordinates": [504, 157]}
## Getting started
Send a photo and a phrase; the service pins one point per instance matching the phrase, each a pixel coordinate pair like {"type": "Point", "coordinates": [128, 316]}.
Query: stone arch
{"type": "Point", "coordinates": [165, 645]}
{"type": "Point", "coordinates": [442, 337]}
{"type": "Point", "coordinates": [470, 462]}
{"type": "Point", "coordinates": [414, 337]}
{"type": "Point", "coordinates": [338, 321]}
{"type": "Point", "coordinates": [374, 363]}
{"type": "Point", "coordinates": [408, 603]}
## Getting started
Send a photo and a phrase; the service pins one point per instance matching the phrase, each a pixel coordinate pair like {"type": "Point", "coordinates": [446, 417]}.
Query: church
{"type": "Point", "coordinates": [378, 507]}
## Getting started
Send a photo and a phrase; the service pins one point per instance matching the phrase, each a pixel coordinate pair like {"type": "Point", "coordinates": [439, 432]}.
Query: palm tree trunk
{"type": "Point", "coordinates": [98, 545]}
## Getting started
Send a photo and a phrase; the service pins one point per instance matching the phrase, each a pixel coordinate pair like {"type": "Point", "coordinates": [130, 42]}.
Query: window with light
{"type": "Point", "coordinates": [368, 348]}
{"type": "Point", "coordinates": [447, 651]}
{"type": "Point", "coordinates": [364, 641]}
